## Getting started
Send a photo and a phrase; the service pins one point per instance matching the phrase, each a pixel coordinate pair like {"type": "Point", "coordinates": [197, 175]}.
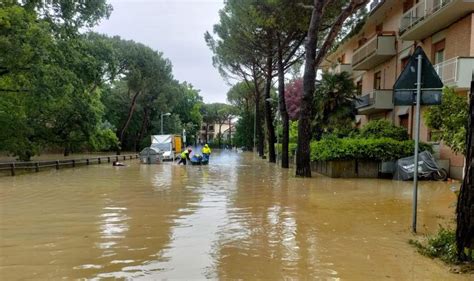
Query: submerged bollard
{"type": "Point", "coordinates": [36, 167]}
{"type": "Point", "coordinates": [98, 160]}
{"type": "Point", "coordinates": [87, 161]}
{"type": "Point", "coordinates": [73, 163]}
{"type": "Point", "coordinates": [12, 168]}
{"type": "Point", "coordinates": [108, 159]}
{"type": "Point", "coordinates": [57, 165]}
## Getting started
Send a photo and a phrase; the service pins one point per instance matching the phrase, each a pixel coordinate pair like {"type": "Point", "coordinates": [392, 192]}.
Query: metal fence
{"type": "Point", "coordinates": [36, 166]}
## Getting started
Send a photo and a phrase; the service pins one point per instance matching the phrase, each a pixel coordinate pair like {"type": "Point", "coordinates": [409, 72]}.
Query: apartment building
{"type": "Point", "coordinates": [212, 131]}
{"type": "Point", "coordinates": [378, 52]}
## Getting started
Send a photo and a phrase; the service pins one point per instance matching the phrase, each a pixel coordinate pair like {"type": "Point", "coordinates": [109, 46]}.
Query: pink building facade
{"type": "Point", "coordinates": [378, 52]}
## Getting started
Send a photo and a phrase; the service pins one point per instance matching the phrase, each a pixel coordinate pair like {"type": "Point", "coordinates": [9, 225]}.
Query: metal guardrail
{"type": "Point", "coordinates": [12, 167]}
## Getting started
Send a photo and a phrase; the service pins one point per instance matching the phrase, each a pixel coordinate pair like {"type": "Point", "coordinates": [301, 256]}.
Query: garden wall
{"type": "Point", "coordinates": [347, 168]}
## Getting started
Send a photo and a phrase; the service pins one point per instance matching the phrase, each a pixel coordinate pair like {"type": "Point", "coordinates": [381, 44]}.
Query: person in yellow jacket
{"type": "Point", "coordinates": [206, 151]}
{"type": "Point", "coordinates": [185, 156]}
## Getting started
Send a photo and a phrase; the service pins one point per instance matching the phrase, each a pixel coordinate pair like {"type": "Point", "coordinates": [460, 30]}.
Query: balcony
{"type": "Point", "coordinates": [430, 16]}
{"type": "Point", "coordinates": [377, 50]}
{"type": "Point", "coordinates": [375, 102]}
{"type": "Point", "coordinates": [341, 67]}
{"type": "Point", "coordinates": [456, 72]}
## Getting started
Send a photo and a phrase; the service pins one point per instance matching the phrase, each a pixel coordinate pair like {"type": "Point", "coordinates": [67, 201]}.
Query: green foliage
{"type": "Point", "coordinates": [381, 149]}
{"type": "Point", "coordinates": [383, 129]}
{"type": "Point", "coordinates": [63, 89]}
{"type": "Point", "coordinates": [291, 148]}
{"type": "Point", "coordinates": [50, 79]}
{"type": "Point", "coordinates": [450, 119]}
{"type": "Point", "coordinates": [293, 131]}
{"type": "Point", "coordinates": [244, 131]}
{"type": "Point", "coordinates": [442, 245]}
{"type": "Point", "coordinates": [334, 104]}
{"type": "Point", "coordinates": [241, 96]}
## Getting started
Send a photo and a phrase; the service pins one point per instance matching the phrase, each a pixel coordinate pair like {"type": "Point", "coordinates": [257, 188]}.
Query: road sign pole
{"type": "Point", "coordinates": [417, 141]}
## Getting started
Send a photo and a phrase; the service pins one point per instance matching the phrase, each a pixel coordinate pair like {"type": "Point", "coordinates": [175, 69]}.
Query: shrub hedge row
{"type": "Point", "coordinates": [381, 149]}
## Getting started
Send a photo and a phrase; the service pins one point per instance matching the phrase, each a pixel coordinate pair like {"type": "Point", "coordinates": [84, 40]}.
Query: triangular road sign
{"type": "Point", "coordinates": [429, 77]}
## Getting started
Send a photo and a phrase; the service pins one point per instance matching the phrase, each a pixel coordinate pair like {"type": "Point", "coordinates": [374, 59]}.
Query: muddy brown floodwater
{"type": "Point", "coordinates": [239, 217]}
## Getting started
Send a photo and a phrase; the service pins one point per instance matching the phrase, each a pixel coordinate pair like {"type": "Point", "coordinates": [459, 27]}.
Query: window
{"type": "Point", "coordinates": [408, 4]}
{"type": "Point", "coordinates": [438, 52]}
{"type": "Point", "coordinates": [378, 80]}
{"type": "Point", "coordinates": [342, 59]}
{"type": "Point", "coordinates": [404, 121]}
{"type": "Point", "coordinates": [359, 87]}
{"type": "Point", "coordinates": [404, 62]}
{"type": "Point", "coordinates": [362, 42]}
{"type": "Point", "coordinates": [379, 28]}
{"type": "Point", "coordinates": [211, 127]}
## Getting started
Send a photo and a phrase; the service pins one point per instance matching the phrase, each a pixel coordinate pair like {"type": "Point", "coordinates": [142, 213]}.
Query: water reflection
{"type": "Point", "coordinates": [238, 218]}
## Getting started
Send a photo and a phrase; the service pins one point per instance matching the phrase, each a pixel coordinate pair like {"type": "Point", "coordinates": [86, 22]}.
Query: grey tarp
{"type": "Point", "coordinates": [150, 155]}
{"type": "Point", "coordinates": [405, 167]}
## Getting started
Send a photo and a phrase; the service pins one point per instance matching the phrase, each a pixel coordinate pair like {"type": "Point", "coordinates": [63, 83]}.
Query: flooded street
{"type": "Point", "coordinates": [239, 217]}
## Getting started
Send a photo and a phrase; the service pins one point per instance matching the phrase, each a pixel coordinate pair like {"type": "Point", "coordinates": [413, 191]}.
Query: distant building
{"type": "Point", "coordinates": [377, 53]}
{"type": "Point", "coordinates": [211, 133]}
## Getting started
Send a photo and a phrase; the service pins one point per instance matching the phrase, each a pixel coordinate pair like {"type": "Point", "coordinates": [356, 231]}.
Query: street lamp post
{"type": "Point", "coordinates": [163, 114]}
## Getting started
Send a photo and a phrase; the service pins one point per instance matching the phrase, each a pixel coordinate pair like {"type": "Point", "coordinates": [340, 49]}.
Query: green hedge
{"type": "Point", "coordinates": [291, 148]}
{"type": "Point", "coordinates": [383, 129]}
{"type": "Point", "coordinates": [381, 149]}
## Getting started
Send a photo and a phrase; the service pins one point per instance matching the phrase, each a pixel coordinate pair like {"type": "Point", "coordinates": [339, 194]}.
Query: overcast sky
{"type": "Point", "coordinates": [176, 28]}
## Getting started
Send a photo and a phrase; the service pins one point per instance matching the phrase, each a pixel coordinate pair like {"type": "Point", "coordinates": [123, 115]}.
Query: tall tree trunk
{"type": "Point", "coordinates": [206, 132]}
{"type": "Point", "coordinates": [220, 134]}
{"type": "Point", "coordinates": [268, 110]}
{"type": "Point", "coordinates": [303, 161]}
{"type": "Point", "coordinates": [67, 150]}
{"type": "Point", "coordinates": [283, 112]}
{"type": "Point", "coordinates": [465, 206]}
{"type": "Point", "coordinates": [230, 131]}
{"type": "Point", "coordinates": [143, 128]}
{"type": "Point", "coordinates": [129, 117]}
{"type": "Point", "coordinates": [258, 121]}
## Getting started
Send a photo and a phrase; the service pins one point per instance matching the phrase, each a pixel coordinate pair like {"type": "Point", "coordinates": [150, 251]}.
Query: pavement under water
{"type": "Point", "coordinates": [239, 217]}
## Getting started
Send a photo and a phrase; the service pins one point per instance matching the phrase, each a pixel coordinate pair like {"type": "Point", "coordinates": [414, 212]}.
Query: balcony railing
{"type": "Point", "coordinates": [376, 101]}
{"type": "Point", "coordinates": [375, 51]}
{"type": "Point", "coordinates": [420, 11]}
{"type": "Point", "coordinates": [341, 67]}
{"type": "Point", "coordinates": [456, 72]}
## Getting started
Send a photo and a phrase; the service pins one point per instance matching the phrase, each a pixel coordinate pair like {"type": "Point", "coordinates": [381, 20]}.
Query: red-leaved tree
{"type": "Point", "coordinates": [293, 94]}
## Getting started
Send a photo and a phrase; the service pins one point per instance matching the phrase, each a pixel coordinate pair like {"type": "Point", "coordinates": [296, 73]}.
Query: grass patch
{"type": "Point", "coordinates": [442, 245]}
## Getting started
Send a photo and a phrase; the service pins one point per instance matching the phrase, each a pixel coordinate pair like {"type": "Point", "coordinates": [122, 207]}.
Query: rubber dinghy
{"type": "Point", "coordinates": [199, 160]}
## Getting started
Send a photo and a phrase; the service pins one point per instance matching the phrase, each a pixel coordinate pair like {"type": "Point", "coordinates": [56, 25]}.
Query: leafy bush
{"type": "Point", "coordinates": [383, 129]}
{"type": "Point", "coordinates": [381, 149]}
{"type": "Point", "coordinates": [450, 118]}
{"type": "Point", "coordinates": [442, 245]}
{"type": "Point", "coordinates": [291, 148]}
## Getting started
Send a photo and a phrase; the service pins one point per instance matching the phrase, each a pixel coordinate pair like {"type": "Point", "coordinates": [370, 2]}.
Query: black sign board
{"type": "Point", "coordinates": [405, 86]}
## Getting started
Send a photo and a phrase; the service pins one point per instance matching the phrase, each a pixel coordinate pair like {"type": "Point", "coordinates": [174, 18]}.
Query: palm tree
{"type": "Point", "coordinates": [334, 108]}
